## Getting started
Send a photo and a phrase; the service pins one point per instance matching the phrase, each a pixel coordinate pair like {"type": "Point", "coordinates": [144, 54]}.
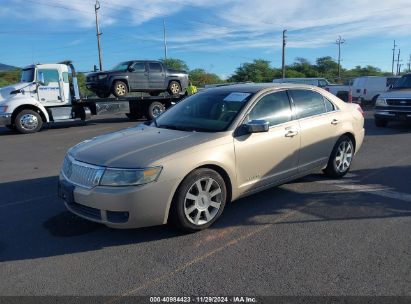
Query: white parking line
{"type": "Point", "coordinates": [28, 200]}
{"type": "Point", "coordinates": [379, 190]}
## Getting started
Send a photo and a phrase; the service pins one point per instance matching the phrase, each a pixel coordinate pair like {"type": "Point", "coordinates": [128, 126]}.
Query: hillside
{"type": "Point", "coordinates": [5, 67]}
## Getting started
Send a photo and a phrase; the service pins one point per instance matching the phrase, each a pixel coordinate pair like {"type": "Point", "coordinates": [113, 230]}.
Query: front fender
{"type": "Point", "coordinates": [18, 103]}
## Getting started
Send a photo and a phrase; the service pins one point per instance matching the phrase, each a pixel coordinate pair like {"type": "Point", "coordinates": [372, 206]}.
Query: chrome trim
{"type": "Point", "coordinates": [93, 177]}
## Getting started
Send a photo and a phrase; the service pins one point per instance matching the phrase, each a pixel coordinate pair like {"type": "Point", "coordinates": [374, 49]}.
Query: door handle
{"type": "Point", "coordinates": [334, 122]}
{"type": "Point", "coordinates": [291, 133]}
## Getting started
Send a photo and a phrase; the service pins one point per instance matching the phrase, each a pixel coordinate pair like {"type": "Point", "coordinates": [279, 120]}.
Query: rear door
{"type": "Point", "coordinates": [156, 75]}
{"type": "Point", "coordinates": [139, 76]}
{"type": "Point", "coordinates": [319, 121]}
{"type": "Point", "coordinates": [268, 157]}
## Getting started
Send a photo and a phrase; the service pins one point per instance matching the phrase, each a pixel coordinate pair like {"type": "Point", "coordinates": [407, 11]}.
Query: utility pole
{"type": "Point", "coordinates": [393, 58]}
{"type": "Point", "coordinates": [339, 42]}
{"type": "Point", "coordinates": [165, 40]}
{"type": "Point", "coordinates": [96, 8]}
{"type": "Point", "coordinates": [399, 69]}
{"type": "Point", "coordinates": [409, 64]}
{"type": "Point", "coordinates": [398, 61]}
{"type": "Point", "coordinates": [283, 61]}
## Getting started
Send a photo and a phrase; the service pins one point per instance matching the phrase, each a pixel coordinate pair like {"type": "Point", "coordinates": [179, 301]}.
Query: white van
{"type": "Point", "coordinates": [366, 89]}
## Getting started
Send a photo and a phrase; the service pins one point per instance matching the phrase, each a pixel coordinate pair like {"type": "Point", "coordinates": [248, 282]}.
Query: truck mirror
{"type": "Point", "coordinates": [40, 78]}
{"type": "Point", "coordinates": [131, 69]}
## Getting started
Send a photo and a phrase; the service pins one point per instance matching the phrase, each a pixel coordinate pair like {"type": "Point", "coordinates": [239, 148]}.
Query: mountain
{"type": "Point", "coordinates": [5, 67]}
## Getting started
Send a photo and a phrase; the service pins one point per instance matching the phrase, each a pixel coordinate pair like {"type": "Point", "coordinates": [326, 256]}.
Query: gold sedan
{"type": "Point", "coordinates": [212, 148]}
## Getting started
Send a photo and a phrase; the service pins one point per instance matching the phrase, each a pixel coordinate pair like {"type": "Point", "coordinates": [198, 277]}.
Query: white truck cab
{"type": "Point", "coordinates": [44, 94]}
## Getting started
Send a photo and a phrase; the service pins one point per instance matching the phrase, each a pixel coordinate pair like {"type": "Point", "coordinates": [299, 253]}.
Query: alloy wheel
{"type": "Point", "coordinates": [344, 156]}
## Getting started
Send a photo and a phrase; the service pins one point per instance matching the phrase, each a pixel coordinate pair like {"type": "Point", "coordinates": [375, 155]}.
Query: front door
{"type": "Point", "coordinates": [319, 121]}
{"type": "Point", "coordinates": [138, 77]}
{"type": "Point", "coordinates": [157, 76]}
{"type": "Point", "coordinates": [268, 157]}
{"type": "Point", "coordinates": [50, 92]}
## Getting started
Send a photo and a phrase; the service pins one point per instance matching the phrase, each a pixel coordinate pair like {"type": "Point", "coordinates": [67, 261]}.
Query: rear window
{"type": "Point", "coordinates": [308, 103]}
{"type": "Point", "coordinates": [155, 67]}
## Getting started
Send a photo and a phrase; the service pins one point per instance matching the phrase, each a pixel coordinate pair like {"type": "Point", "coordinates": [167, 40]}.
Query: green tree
{"type": "Point", "coordinates": [174, 63]}
{"type": "Point", "coordinates": [9, 77]}
{"type": "Point", "coordinates": [200, 78]}
{"type": "Point", "coordinates": [257, 71]}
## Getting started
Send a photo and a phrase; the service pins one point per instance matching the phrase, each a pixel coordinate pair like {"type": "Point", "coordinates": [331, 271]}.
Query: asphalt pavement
{"type": "Point", "coordinates": [313, 236]}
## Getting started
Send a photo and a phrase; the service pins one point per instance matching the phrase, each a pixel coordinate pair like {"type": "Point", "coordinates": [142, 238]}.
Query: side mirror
{"type": "Point", "coordinates": [257, 126]}
{"type": "Point", "coordinates": [40, 78]}
{"type": "Point", "coordinates": [131, 69]}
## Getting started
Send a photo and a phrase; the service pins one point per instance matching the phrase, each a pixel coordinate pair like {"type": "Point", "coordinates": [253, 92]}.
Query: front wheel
{"type": "Point", "coordinates": [200, 200]}
{"type": "Point", "coordinates": [28, 121]}
{"type": "Point", "coordinates": [341, 158]}
{"type": "Point", "coordinates": [120, 89]}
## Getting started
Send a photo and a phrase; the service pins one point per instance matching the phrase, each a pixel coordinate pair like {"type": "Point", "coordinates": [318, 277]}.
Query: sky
{"type": "Point", "coordinates": [217, 36]}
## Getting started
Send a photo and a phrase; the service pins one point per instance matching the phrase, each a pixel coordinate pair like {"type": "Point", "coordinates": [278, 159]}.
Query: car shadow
{"type": "Point", "coordinates": [35, 223]}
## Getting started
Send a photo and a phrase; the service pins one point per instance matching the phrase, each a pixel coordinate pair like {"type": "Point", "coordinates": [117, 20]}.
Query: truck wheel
{"type": "Point", "coordinates": [155, 109]}
{"type": "Point", "coordinates": [199, 200]}
{"type": "Point", "coordinates": [28, 121]}
{"type": "Point", "coordinates": [380, 123]}
{"type": "Point", "coordinates": [174, 88]}
{"type": "Point", "coordinates": [133, 116]}
{"type": "Point", "coordinates": [103, 94]}
{"type": "Point", "coordinates": [120, 89]}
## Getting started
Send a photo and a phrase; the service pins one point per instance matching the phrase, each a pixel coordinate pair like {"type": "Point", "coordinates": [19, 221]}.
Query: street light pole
{"type": "Point", "coordinates": [96, 8]}
{"type": "Point", "coordinates": [339, 42]}
{"type": "Point", "coordinates": [283, 60]}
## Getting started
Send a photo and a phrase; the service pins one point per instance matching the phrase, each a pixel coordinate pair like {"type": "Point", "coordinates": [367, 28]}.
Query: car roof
{"type": "Point", "coordinates": [256, 87]}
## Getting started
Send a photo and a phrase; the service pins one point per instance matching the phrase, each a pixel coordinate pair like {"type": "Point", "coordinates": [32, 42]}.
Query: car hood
{"type": "Point", "coordinates": [403, 93]}
{"type": "Point", "coordinates": [5, 91]}
{"type": "Point", "coordinates": [137, 147]}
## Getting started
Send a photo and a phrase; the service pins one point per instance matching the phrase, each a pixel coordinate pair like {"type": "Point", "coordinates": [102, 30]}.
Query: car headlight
{"type": "Point", "coordinates": [380, 102]}
{"type": "Point", "coordinates": [129, 177]}
{"type": "Point", "coordinates": [103, 76]}
{"type": "Point", "coordinates": [3, 109]}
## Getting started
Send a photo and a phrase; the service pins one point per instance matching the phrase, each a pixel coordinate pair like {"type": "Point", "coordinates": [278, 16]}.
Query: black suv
{"type": "Point", "coordinates": [138, 76]}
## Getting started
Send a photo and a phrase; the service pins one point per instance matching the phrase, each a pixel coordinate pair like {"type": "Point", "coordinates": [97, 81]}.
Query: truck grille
{"type": "Point", "coordinates": [399, 102]}
{"type": "Point", "coordinates": [81, 174]}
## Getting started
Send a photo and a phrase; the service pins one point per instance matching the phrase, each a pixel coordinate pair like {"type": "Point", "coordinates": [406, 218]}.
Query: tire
{"type": "Point", "coordinates": [103, 94]}
{"type": "Point", "coordinates": [120, 89]}
{"type": "Point", "coordinates": [155, 109]}
{"type": "Point", "coordinates": [28, 121]}
{"type": "Point", "coordinates": [195, 210]}
{"type": "Point", "coordinates": [341, 158]}
{"type": "Point", "coordinates": [174, 88]}
{"type": "Point", "coordinates": [133, 116]}
{"type": "Point", "coordinates": [380, 123]}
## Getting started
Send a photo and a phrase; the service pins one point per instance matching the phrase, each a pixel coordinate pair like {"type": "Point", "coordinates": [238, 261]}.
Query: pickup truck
{"type": "Point", "coordinates": [152, 77]}
{"type": "Point", "coordinates": [395, 104]}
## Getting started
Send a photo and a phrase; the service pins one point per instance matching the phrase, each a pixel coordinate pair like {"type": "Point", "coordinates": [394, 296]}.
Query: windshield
{"type": "Point", "coordinates": [27, 75]}
{"type": "Point", "coordinates": [122, 66]}
{"type": "Point", "coordinates": [403, 83]}
{"type": "Point", "coordinates": [208, 111]}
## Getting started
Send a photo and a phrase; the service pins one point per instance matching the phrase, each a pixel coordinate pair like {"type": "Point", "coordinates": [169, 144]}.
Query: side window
{"type": "Point", "coordinates": [308, 103]}
{"type": "Point", "coordinates": [275, 108]}
{"type": "Point", "coordinates": [155, 67]}
{"type": "Point", "coordinates": [329, 106]}
{"type": "Point", "coordinates": [322, 83]}
{"type": "Point", "coordinates": [49, 76]}
{"type": "Point", "coordinates": [139, 67]}
{"type": "Point", "coordinates": [65, 77]}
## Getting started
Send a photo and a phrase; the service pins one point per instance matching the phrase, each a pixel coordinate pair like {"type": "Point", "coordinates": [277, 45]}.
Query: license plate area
{"type": "Point", "coordinates": [66, 191]}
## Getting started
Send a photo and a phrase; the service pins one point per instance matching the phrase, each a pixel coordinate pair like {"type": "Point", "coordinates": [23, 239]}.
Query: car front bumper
{"type": "Point", "coordinates": [5, 119]}
{"type": "Point", "coordinates": [392, 114]}
{"type": "Point", "coordinates": [120, 207]}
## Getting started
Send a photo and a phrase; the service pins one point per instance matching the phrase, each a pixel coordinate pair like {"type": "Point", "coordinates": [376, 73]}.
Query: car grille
{"type": "Point", "coordinates": [81, 174]}
{"type": "Point", "coordinates": [399, 102]}
{"type": "Point", "coordinates": [85, 210]}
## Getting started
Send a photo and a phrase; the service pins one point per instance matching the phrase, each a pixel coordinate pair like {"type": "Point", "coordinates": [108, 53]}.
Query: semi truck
{"type": "Point", "coordinates": [49, 93]}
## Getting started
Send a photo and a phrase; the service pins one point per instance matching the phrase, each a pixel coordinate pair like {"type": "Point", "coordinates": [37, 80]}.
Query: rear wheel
{"type": "Point", "coordinates": [174, 88]}
{"type": "Point", "coordinates": [380, 123]}
{"type": "Point", "coordinates": [200, 200]}
{"type": "Point", "coordinates": [120, 89]}
{"type": "Point", "coordinates": [154, 110]}
{"type": "Point", "coordinates": [341, 158]}
{"type": "Point", "coordinates": [28, 121]}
